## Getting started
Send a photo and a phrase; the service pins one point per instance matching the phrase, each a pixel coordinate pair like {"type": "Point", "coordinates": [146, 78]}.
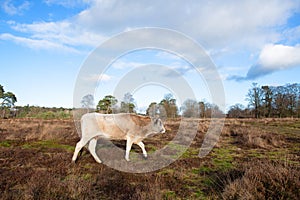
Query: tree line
{"type": "Point", "coordinates": [166, 108]}
{"type": "Point", "coordinates": [263, 101]}
{"type": "Point", "coordinates": [269, 101]}
{"type": "Point", "coordinates": [109, 104]}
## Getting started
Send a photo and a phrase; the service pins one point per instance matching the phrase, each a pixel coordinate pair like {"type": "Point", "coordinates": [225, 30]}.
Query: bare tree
{"type": "Point", "coordinates": [255, 98]}
{"type": "Point", "coordinates": [88, 102]}
{"type": "Point", "coordinates": [237, 111]}
{"type": "Point", "coordinates": [128, 104]}
{"type": "Point", "coordinates": [267, 100]}
{"type": "Point", "coordinates": [169, 105]}
{"type": "Point", "coordinates": [190, 108]}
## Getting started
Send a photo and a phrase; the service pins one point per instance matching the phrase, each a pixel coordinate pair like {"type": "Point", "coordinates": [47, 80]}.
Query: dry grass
{"type": "Point", "coordinates": [265, 180]}
{"type": "Point", "coordinates": [248, 136]}
{"type": "Point", "coordinates": [35, 163]}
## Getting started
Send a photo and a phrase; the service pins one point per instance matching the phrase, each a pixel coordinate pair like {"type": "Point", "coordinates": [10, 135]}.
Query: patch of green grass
{"type": "Point", "coordinates": [195, 170]}
{"type": "Point", "coordinates": [151, 148]}
{"type": "Point", "coordinates": [48, 144]}
{"type": "Point", "coordinates": [222, 164]}
{"type": "Point", "coordinates": [256, 154]}
{"type": "Point", "coordinates": [190, 153]}
{"type": "Point", "coordinates": [169, 194]}
{"type": "Point", "coordinates": [295, 149]}
{"type": "Point", "coordinates": [207, 181]}
{"type": "Point", "coordinates": [223, 158]}
{"type": "Point", "coordinates": [5, 143]}
{"type": "Point", "coordinates": [195, 192]}
{"type": "Point", "coordinates": [87, 176]}
{"type": "Point", "coordinates": [204, 169]}
{"type": "Point", "coordinates": [277, 154]}
{"type": "Point", "coordinates": [88, 166]}
{"type": "Point", "coordinates": [166, 171]}
{"type": "Point", "coordinates": [279, 127]}
{"type": "Point", "coordinates": [178, 149]}
{"type": "Point", "coordinates": [27, 146]}
{"type": "Point", "coordinates": [199, 194]}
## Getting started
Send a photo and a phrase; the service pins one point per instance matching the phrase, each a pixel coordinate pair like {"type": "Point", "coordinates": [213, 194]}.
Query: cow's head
{"type": "Point", "coordinates": [157, 125]}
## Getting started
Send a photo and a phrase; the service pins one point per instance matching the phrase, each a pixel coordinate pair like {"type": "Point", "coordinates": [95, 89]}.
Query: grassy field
{"type": "Point", "coordinates": [254, 159]}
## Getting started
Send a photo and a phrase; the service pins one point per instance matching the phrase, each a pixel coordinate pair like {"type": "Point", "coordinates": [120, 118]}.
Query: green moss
{"type": "Point", "coordinates": [88, 166]}
{"type": "Point", "coordinates": [50, 144]}
{"type": "Point", "coordinates": [222, 164]}
{"type": "Point", "coordinates": [169, 194]}
{"type": "Point", "coordinates": [256, 154]}
{"type": "Point", "coordinates": [198, 194]}
{"type": "Point", "coordinates": [276, 154]}
{"type": "Point", "coordinates": [191, 153]}
{"type": "Point", "coordinates": [5, 143]}
{"type": "Point", "coordinates": [27, 146]}
{"type": "Point", "coordinates": [166, 171]}
{"type": "Point", "coordinates": [223, 158]}
{"type": "Point", "coordinates": [204, 169]}
{"type": "Point", "coordinates": [151, 148]}
{"type": "Point", "coordinates": [177, 150]}
{"type": "Point", "coordinates": [87, 176]}
{"type": "Point", "coordinates": [208, 181]}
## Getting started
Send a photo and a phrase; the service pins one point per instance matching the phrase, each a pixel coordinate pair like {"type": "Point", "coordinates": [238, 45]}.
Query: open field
{"type": "Point", "coordinates": [254, 159]}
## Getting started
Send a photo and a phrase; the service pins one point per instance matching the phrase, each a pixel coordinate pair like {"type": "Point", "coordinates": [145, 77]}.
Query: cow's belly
{"type": "Point", "coordinates": [113, 133]}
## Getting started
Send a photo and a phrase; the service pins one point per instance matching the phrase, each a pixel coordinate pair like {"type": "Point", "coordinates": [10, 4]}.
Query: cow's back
{"type": "Point", "coordinates": [111, 126]}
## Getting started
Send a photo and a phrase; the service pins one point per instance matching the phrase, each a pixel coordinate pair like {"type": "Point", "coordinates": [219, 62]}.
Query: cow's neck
{"type": "Point", "coordinates": [148, 130]}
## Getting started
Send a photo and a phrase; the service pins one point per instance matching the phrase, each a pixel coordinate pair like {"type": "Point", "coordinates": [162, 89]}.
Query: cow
{"type": "Point", "coordinates": [130, 127]}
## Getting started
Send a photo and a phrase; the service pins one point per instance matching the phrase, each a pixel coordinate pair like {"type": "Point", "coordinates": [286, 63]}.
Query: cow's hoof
{"type": "Point", "coordinates": [99, 161]}
{"type": "Point", "coordinates": [145, 156]}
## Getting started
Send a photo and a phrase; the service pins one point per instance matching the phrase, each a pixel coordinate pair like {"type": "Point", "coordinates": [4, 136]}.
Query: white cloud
{"type": "Point", "coordinates": [174, 63]}
{"type": "Point", "coordinates": [10, 8]}
{"type": "Point", "coordinates": [63, 32]}
{"type": "Point", "coordinates": [37, 43]}
{"type": "Point", "coordinates": [279, 56]}
{"type": "Point", "coordinates": [214, 24]}
{"type": "Point", "coordinates": [68, 3]}
{"type": "Point", "coordinates": [273, 57]}
{"type": "Point", "coordinates": [119, 64]}
{"type": "Point", "coordinates": [101, 77]}
{"type": "Point", "coordinates": [105, 77]}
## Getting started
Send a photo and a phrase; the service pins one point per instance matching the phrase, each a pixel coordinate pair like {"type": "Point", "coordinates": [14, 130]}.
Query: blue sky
{"type": "Point", "coordinates": [43, 45]}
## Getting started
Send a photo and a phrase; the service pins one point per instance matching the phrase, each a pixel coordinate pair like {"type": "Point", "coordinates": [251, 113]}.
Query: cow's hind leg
{"type": "Point", "coordinates": [78, 147]}
{"type": "Point", "coordinates": [129, 143]}
{"type": "Point", "coordinates": [141, 144]}
{"type": "Point", "coordinates": [92, 149]}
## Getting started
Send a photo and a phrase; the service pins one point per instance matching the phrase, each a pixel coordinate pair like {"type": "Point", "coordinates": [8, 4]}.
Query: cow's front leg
{"type": "Point", "coordinates": [128, 148]}
{"type": "Point", "coordinates": [141, 144]}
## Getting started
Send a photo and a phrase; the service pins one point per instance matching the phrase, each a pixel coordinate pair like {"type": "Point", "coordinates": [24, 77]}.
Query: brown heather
{"type": "Point", "coordinates": [254, 159]}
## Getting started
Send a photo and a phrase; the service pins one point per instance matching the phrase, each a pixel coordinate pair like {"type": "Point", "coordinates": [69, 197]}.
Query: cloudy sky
{"type": "Point", "coordinates": [43, 45]}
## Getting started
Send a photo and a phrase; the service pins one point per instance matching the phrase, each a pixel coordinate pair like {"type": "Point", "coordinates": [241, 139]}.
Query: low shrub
{"type": "Point", "coordinates": [258, 180]}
